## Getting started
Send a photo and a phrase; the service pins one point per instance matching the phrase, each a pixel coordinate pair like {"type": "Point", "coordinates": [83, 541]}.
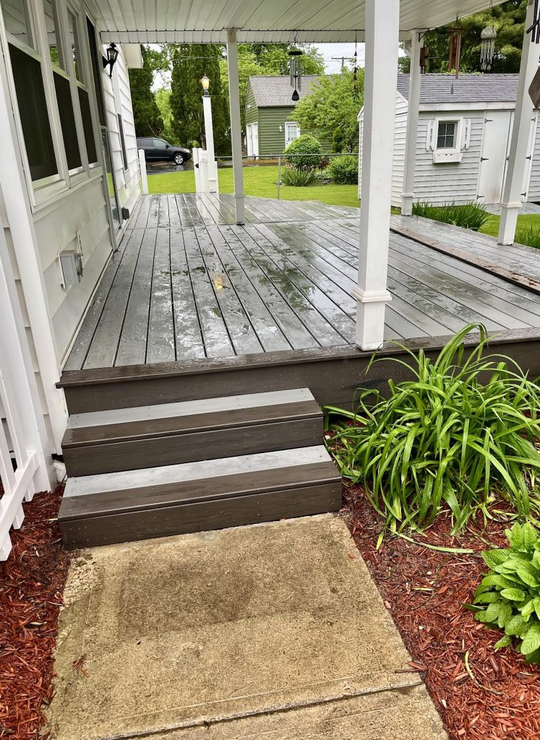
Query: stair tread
{"type": "Point", "coordinates": [189, 408]}
{"type": "Point", "coordinates": [186, 424]}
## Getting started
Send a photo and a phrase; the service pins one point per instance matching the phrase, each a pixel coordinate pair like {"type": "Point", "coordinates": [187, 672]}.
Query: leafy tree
{"type": "Point", "coordinates": [190, 62]}
{"type": "Point", "coordinates": [163, 100]}
{"type": "Point", "coordinates": [148, 120]}
{"type": "Point", "coordinates": [330, 111]}
{"type": "Point", "coordinates": [508, 20]}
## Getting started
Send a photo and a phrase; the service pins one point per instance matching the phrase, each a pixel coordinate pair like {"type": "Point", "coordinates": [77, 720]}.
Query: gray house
{"type": "Point", "coordinates": [463, 139]}
{"type": "Point", "coordinates": [270, 124]}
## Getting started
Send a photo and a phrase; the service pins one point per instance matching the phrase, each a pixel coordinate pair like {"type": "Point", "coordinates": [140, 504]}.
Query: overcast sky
{"type": "Point", "coordinates": [332, 66]}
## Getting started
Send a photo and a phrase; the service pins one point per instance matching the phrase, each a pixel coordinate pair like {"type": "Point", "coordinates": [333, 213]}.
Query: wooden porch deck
{"type": "Point", "coordinates": [187, 283]}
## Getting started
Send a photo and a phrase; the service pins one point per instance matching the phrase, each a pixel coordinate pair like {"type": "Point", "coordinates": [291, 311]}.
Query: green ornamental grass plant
{"type": "Point", "coordinates": [508, 597]}
{"type": "Point", "coordinates": [469, 216]}
{"type": "Point", "coordinates": [457, 436]}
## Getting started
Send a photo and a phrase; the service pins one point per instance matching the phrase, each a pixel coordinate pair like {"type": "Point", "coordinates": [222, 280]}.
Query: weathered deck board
{"type": "Point", "coordinates": [188, 283]}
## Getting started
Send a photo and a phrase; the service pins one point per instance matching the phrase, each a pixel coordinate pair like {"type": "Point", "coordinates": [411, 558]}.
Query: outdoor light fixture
{"type": "Point", "coordinates": [112, 56]}
{"type": "Point", "coordinates": [205, 82]}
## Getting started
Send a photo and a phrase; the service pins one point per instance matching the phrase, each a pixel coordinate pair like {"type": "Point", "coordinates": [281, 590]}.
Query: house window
{"type": "Point", "coordinates": [34, 115]}
{"type": "Point", "coordinates": [51, 22]}
{"type": "Point", "coordinates": [292, 132]}
{"type": "Point", "coordinates": [446, 135]}
{"type": "Point", "coordinates": [17, 21]}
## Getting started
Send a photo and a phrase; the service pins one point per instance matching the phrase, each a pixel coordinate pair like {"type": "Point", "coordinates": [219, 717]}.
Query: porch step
{"type": "Point", "coordinates": [191, 497]}
{"type": "Point", "coordinates": [190, 431]}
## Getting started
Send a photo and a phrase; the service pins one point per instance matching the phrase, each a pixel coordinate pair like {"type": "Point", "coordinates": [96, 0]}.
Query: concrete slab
{"type": "Point", "coordinates": [167, 634]}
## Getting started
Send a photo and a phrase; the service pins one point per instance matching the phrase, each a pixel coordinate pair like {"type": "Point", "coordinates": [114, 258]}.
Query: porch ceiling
{"type": "Point", "coordinates": [270, 21]}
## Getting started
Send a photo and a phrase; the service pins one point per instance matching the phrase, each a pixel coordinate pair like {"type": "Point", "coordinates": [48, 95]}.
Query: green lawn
{"type": "Point", "coordinates": [526, 221]}
{"type": "Point", "coordinates": [258, 181]}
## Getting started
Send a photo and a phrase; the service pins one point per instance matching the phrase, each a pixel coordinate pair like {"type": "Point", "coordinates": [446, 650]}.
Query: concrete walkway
{"type": "Point", "coordinates": [273, 630]}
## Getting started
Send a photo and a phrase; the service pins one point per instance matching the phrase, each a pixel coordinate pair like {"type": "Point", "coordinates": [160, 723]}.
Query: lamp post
{"type": "Point", "coordinates": [209, 135]}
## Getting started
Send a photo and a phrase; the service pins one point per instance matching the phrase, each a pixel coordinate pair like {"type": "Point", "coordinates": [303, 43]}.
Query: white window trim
{"type": "Point", "coordinates": [461, 141]}
{"type": "Point", "coordinates": [291, 123]}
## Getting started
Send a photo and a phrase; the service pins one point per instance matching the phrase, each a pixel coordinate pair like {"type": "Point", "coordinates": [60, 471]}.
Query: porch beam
{"type": "Point", "coordinates": [517, 160]}
{"type": "Point", "coordinates": [380, 84]}
{"type": "Point", "coordinates": [415, 79]}
{"type": "Point", "coordinates": [236, 129]}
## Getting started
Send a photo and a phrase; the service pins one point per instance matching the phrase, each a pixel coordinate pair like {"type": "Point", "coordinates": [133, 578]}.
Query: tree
{"type": "Point", "coordinates": [330, 111]}
{"type": "Point", "coordinates": [190, 62]}
{"type": "Point", "coordinates": [163, 100]}
{"type": "Point", "coordinates": [148, 120]}
{"type": "Point", "coordinates": [508, 20]}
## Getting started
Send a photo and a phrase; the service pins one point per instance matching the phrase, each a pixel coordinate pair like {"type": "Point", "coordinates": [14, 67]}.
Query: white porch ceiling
{"type": "Point", "coordinates": [270, 21]}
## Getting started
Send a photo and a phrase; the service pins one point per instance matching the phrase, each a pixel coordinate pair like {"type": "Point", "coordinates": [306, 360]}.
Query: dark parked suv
{"type": "Point", "coordinates": [159, 150]}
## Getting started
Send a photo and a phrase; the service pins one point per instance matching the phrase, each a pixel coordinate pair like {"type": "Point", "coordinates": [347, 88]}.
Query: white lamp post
{"type": "Point", "coordinates": [209, 135]}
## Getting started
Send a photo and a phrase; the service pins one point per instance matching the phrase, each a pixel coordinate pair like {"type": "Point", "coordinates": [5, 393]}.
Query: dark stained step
{"type": "Point", "coordinates": [192, 497]}
{"type": "Point", "coordinates": [167, 434]}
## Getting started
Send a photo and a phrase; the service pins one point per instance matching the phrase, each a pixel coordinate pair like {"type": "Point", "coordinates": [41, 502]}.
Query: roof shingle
{"type": "Point", "coordinates": [468, 88]}
{"type": "Point", "coordinates": [276, 91]}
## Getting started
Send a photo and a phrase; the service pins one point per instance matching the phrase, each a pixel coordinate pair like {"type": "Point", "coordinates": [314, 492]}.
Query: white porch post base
{"type": "Point", "coordinates": [407, 204]}
{"type": "Point", "coordinates": [211, 157]}
{"type": "Point", "coordinates": [370, 317]}
{"type": "Point", "coordinates": [508, 222]}
{"type": "Point", "coordinates": [236, 132]}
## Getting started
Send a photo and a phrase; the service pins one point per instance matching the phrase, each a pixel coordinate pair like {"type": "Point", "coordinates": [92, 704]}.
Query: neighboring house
{"type": "Point", "coordinates": [270, 124]}
{"type": "Point", "coordinates": [463, 139]}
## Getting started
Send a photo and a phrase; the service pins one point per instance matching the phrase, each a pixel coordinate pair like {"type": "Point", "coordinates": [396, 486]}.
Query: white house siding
{"type": "Point", "coordinates": [534, 183]}
{"type": "Point", "coordinates": [118, 102]}
{"type": "Point", "coordinates": [453, 182]}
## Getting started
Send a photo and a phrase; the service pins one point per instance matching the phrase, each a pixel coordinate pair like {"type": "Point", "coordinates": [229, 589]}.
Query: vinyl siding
{"type": "Point", "coordinates": [534, 183]}
{"type": "Point", "coordinates": [252, 112]}
{"type": "Point", "coordinates": [455, 182]}
{"type": "Point", "coordinates": [271, 139]}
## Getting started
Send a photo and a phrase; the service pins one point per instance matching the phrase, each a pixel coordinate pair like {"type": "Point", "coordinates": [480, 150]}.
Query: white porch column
{"type": "Point", "coordinates": [515, 171]}
{"type": "Point", "coordinates": [236, 131]}
{"type": "Point", "coordinates": [380, 84]}
{"type": "Point", "coordinates": [415, 79]}
{"type": "Point", "coordinates": [210, 150]}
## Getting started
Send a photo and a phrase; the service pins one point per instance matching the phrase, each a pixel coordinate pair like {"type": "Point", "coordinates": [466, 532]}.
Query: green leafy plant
{"type": "Point", "coordinates": [458, 435]}
{"type": "Point", "coordinates": [469, 216]}
{"type": "Point", "coordinates": [530, 236]}
{"type": "Point", "coordinates": [343, 170]}
{"type": "Point", "coordinates": [509, 595]}
{"type": "Point", "coordinates": [304, 152]}
{"type": "Point", "coordinates": [298, 178]}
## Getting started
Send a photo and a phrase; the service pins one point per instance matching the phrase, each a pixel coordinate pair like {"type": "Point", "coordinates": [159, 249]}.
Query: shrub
{"type": "Point", "coordinates": [344, 170]}
{"type": "Point", "coordinates": [298, 178]}
{"type": "Point", "coordinates": [470, 216]}
{"type": "Point", "coordinates": [444, 439]}
{"type": "Point", "coordinates": [305, 151]}
{"type": "Point", "coordinates": [529, 235]}
{"type": "Point", "coordinates": [509, 595]}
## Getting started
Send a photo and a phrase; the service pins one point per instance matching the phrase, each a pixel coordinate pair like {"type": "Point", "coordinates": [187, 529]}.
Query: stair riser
{"type": "Point", "coordinates": [192, 447]}
{"type": "Point", "coordinates": [201, 516]}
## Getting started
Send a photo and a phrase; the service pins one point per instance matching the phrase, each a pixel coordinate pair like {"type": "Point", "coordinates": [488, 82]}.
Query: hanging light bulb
{"type": "Point", "coordinates": [295, 70]}
{"type": "Point", "coordinates": [487, 48]}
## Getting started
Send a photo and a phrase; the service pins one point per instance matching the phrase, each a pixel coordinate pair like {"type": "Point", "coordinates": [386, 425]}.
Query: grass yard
{"type": "Point", "coordinates": [260, 182]}
{"type": "Point", "coordinates": [524, 222]}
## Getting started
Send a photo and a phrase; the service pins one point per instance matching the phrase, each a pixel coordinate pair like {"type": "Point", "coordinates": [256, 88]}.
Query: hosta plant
{"type": "Point", "coordinates": [509, 595]}
{"type": "Point", "coordinates": [458, 436]}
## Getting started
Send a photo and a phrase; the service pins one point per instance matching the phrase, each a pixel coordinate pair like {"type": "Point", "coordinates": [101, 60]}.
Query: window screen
{"type": "Point", "coordinates": [97, 69]}
{"type": "Point", "coordinates": [51, 22]}
{"type": "Point", "coordinates": [446, 135]}
{"type": "Point", "coordinates": [87, 125]}
{"type": "Point", "coordinates": [67, 120]}
{"type": "Point", "coordinates": [34, 114]}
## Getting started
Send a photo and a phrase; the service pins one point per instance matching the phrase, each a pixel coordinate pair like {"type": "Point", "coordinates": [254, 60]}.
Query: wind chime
{"type": "Point", "coordinates": [487, 45]}
{"type": "Point", "coordinates": [355, 67]}
{"type": "Point", "coordinates": [295, 68]}
{"type": "Point", "coordinates": [455, 50]}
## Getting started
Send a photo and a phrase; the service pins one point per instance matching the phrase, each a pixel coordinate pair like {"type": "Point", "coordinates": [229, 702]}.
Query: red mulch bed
{"type": "Point", "coordinates": [424, 591]}
{"type": "Point", "coordinates": [31, 585]}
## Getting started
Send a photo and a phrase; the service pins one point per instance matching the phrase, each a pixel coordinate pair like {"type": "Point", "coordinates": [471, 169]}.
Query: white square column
{"type": "Point", "coordinates": [236, 130]}
{"type": "Point", "coordinates": [380, 84]}
{"type": "Point", "coordinates": [517, 159]}
{"type": "Point", "coordinates": [415, 79]}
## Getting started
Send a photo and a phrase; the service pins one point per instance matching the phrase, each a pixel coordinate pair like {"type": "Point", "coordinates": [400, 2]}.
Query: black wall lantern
{"type": "Point", "coordinates": [110, 59]}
